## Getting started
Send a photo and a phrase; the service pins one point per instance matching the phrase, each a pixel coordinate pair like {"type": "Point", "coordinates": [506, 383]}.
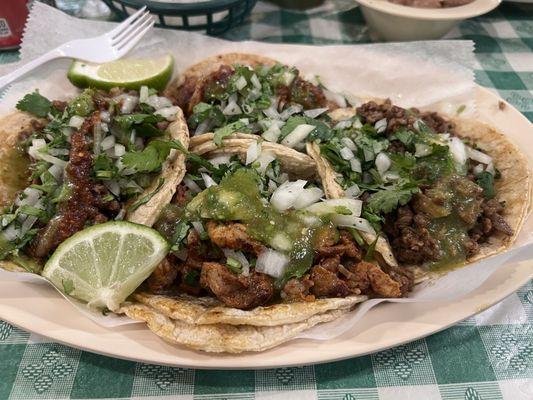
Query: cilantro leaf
{"type": "Point", "coordinates": [384, 201]}
{"type": "Point", "coordinates": [144, 124]}
{"type": "Point", "coordinates": [35, 104]}
{"type": "Point", "coordinates": [321, 131]}
{"type": "Point", "coordinates": [225, 131]}
{"type": "Point", "coordinates": [486, 181]}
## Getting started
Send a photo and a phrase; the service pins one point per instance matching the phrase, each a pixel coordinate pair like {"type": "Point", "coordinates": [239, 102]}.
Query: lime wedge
{"type": "Point", "coordinates": [127, 73]}
{"type": "Point", "coordinates": [105, 263]}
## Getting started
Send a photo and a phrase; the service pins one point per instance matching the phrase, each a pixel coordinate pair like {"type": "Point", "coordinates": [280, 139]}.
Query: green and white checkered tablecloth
{"type": "Point", "coordinates": [489, 356]}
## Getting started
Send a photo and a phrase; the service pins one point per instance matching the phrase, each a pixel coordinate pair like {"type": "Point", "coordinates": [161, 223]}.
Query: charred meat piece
{"type": "Point", "coordinates": [243, 292]}
{"type": "Point", "coordinates": [367, 275]}
{"type": "Point", "coordinates": [346, 246]}
{"type": "Point", "coordinates": [298, 289]}
{"type": "Point", "coordinates": [233, 236]}
{"type": "Point", "coordinates": [163, 276]}
{"type": "Point", "coordinates": [327, 283]}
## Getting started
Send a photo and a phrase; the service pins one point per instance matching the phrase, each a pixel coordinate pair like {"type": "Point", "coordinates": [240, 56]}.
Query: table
{"type": "Point", "coordinates": [489, 356]}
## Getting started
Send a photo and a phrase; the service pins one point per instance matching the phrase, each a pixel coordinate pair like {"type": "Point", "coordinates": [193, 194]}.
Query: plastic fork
{"type": "Point", "coordinates": [100, 49]}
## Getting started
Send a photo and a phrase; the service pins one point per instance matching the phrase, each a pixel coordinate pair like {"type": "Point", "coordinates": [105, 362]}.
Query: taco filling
{"type": "Point", "coordinates": [90, 161]}
{"type": "Point", "coordinates": [430, 191]}
{"type": "Point", "coordinates": [249, 235]}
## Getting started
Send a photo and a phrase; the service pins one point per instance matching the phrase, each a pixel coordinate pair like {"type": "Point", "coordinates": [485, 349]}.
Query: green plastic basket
{"type": "Point", "coordinates": [213, 17]}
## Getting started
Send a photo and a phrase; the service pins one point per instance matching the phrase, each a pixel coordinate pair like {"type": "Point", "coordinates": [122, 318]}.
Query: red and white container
{"type": "Point", "coordinates": [13, 15]}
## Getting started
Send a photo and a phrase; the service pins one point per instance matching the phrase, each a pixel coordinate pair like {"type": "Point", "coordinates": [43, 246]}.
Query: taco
{"type": "Point", "coordinates": [444, 191]}
{"type": "Point", "coordinates": [67, 165]}
{"type": "Point", "coordinates": [256, 251]}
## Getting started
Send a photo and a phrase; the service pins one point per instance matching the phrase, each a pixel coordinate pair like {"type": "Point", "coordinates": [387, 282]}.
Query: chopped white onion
{"type": "Point", "coordinates": [357, 124]}
{"type": "Point", "coordinates": [10, 233]}
{"type": "Point", "coordinates": [272, 111]}
{"type": "Point", "coordinates": [113, 187]}
{"type": "Point", "coordinates": [286, 194]}
{"type": "Point", "coordinates": [119, 149]}
{"type": "Point", "coordinates": [272, 262]}
{"type": "Point", "coordinates": [346, 141]}
{"type": "Point", "coordinates": [271, 186]}
{"type": "Point", "coordinates": [27, 224]}
{"type": "Point", "coordinates": [307, 197]}
{"type": "Point", "coordinates": [217, 161]}
{"type": "Point", "coordinates": [208, 180]}
{"type": "Point", "coordinates": [351, 221]}
{"type": "Point", "coordinates": [336, 98]}
{"type": "Point", "coordinates": [344, 124]}
{"type": "Point", "coordinates": [346, 153]}
{"type": "Point", "coordinates": [58, 152]}
{"type": "Point", "coordinates": [197, 225]}
{"type": "Point", "coordinates": [105, 116]}
{"type": "Point", "coordinates": [31, 197]}
{"type": "Point", "coordinates": [391, 176]}
{"type": "Point", "coordinates": [381, 125]}
{"type": "Point", "coordinates": [240, 257]}
{"type": "Point", "coordinates": [383, 163]}
{"type": "Point", "coordinates": [297, 135]}
{"type": "Point", "coordinates": [355, 165]}
{"type": "Point", "coordinates": [292, 109]}
{"type": "Point", "coordinates": [128, 103]}
{"type": "Point", "coordinates": [315, 112]}
{"type": "Point", "coordinates": [143, 94]}
{"type": "Point", "coordinates": [369, 154]}
{"type": "Point", "coordinates": [255, 81]}
{"type": "Point", "coordinates": [240, 83]}
{"type": "Point", "coordinates": [203, 127]}
{"type": "Point", "coordinates": [422, 150]}
{"type": "Point", "coordinates": [458, 150]}
{"type": "Point", "coordinates": [264, 160]}
{"type": "Point", "coordinates": [192, 185]}
{"type": "Point", "coordinates": [253, 152]}
{"type": "Point", "coordinates": [232, 109]}
{"type": "Point", "coordinates": [107, 143]}
{"type": "Point", "coordinates": [76, 121]}
{"type": "Point", "coordinates": [478, 169]}
{"type": "Point", "coordinates": [34, 152]}
{"type": "Point", "coordinates": [158, 102]}
{"type": "Point", "coordinates": [353, 191]}
{"type": "Point", "coordinates": [288, 77]}
{"type": "Point", "coordinates": [169, 113]}
{"type": "Point", "coordinates": [478, 156]}
{"type": "Point", "coordinates": [57, 172]}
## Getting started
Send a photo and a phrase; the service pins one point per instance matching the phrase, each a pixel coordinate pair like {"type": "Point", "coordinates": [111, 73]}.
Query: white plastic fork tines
{"type": "Point", "coordinates": [104, 48]}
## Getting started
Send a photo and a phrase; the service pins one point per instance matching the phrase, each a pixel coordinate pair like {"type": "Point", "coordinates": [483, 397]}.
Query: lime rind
{"type": "Point", "coordinates": [102, 265]}
{"type": "Point", "coordinates": [156, 75]}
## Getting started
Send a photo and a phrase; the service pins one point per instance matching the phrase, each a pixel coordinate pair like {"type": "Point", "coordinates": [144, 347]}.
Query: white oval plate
{"type": "Point", "coordinates": [39, 309]}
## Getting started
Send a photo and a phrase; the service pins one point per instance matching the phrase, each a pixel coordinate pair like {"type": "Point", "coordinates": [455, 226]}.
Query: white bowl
{"type": "Point", "coordinates": [394, 22]}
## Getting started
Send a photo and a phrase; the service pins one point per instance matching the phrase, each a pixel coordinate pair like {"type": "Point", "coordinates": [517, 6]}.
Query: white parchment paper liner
{"type": "Point", "coordinates": [435, 75]}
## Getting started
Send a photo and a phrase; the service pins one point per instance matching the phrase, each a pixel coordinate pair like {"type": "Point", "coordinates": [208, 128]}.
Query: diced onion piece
{"type": "Point", "coordinates": [169, 113]}
{"type": "Point", "coordinates": [307, 197]}
{"type": "Point", "coordinates": [255, 81]}
{"type": "Point", "coordinates": [478, 169]}
{"type": "Point", "coordinates": [10, 233]}
{"type": "Point", "coordinates": [143, 94]}
{"type": "Point", "coordinates": [34, 152]}
{"type": "Point", "coordinates": [76, 121]}
{"type": "Point", "coordinates": [292, 109]}
{"type": "Point", "coordinates": [217, 161]}
{"type": "Point", "coordinates": [240, 257]}
{"type": "Point", "coordinates": [346, 141]}
{"type": "Point", "coordinates": [272, 133]}
{"type": "Point", "coordinates": [458, 150]}
{"type": "Point", "coordinates": [57, 172]}
{"type": "Point", "coordinates": [315, 112]}
{"type": "Point", "coordinates": [353, 191]}
{"type": "Point", "coordinates": [286, 194]}
{"type": "Point", "coordinates": [113, 187]}
{"type": "Point", "coordinates": [197, 225]}
{"type": "Point", "coordinates": [357, 124]}
{"type": "Point", "coordinates": [27, 224]}
{"type": "Point", "coordinates": [391, 176]}
{"type": "Point", "coordinates": [344, 124]}
{"type": "Point", "coordinates": [383, 163]}
{"type": "Point", "coordinates": [232, 109]}
{"type": "Point", "coordinates": [272, 262]}
{"type": "Point", "coordinates": [202, 127]}
{"type": "Point", "coordinates": [490, 168]}
{"type": "Point", "coordinates": [107, 143]}
{"type": "Point", "coordinates": [208, 180]}
{"type": "Point", "coordinates": [120, 150]}
{"type": "Point", "coordinates": [369, 154]}
{"type": "Point", "coordinates": [158, 102]}
{"type": "Point", "coordinates": [332, 206]}
{"type": "Point", "coordinates": [335, 97]}
{"type": "Point", "coordinates": [252, 153]}
{"type": "Point", "coordinates": [346, 153]}
{"type": "Point", "coordinates": [192, 185]}
{"type": "Point", "coordinates": [381, 125]}
{"type": "Point", "coordinates": [31, 197]}
{"type": "Point", "coordinates": [240, 83]}
{"type": "Point", "coordinates": [105, 116]}
{"type": "Point", "coordinates": [350, 221]}
{"type": "Point", "coordinates": [355, 165]}
{"type": "Point", "coordinates": [264, 160]}
{"type": "Point", "coordinates": [128, 103]}
{"type": "Point", "coordinates": [297, 135]}
{"type": "Point", "coordinates": [422, 150]}
{"type": "Point", "coordinates": [478, 156]}
{"type": "Point", "coordinates": [288, 77]}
